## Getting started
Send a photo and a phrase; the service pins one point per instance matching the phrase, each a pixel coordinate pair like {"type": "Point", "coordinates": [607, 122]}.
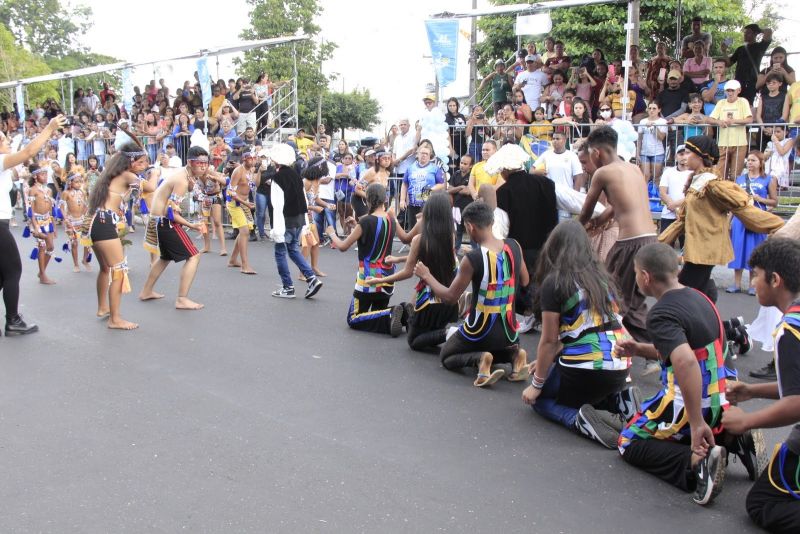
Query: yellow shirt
{"type": "Point", "coordinates": [216, 103]}
{"type": "Point", "coordinates": [303, 144]}
{"type": "Point", "coordinates": [735, 135]}
{"type": "Point", "coordinates": [481, 176]}
{"type": "Point", "coordinates": [794, 96]}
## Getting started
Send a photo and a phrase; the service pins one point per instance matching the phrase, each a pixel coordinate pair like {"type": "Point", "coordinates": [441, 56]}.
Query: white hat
{"type": "Point", "coordinates": [282, 154]}
{"type": "Point", "coordinates": [732, 84]}
{"type": "Point", "coordinates": [509, 157]}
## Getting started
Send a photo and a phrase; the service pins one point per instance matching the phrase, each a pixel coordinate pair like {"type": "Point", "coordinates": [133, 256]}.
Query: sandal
{"type": "Point", "coordinates": [751, 292]}
{"type": "Point", "coordinates": [519, 376]}
{"type": "Point", "coordinates": [487, 380]}
{"type": "Point", "coordinates": [733, 289]}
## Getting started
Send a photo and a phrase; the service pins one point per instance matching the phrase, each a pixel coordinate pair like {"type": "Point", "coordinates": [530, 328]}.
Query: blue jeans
{"type": "Point", "coordinates": [324, 219]}
{"type": "Point", "coordinates": [546, 404]}
{"type": "Point", "coordinates": [291, 246]}
{"type": "Point", "coordinates": [262, 201]}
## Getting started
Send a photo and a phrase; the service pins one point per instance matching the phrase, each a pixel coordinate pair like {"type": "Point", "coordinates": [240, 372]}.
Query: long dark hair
{"type": "Point", "coordinates": [376, 196]}
{"type": "Point", "coordinates": [436, 239]}
{"type": "Point", "coordinates": [567, 256]}
{"type": "Point", "coordinates": [115, 165]}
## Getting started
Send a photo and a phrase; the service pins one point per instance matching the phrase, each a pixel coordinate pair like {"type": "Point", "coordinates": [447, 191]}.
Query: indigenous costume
{"type": "Point", "coordinates": [369, 309]}
{"type": "Point", "coordinates": [427, 324]}
{"type": "Point", "coordinates": [240, 215]}
{"type": "Point", "coordinates": [491, 325]}
{"type": "Point", "coordinates": [774, 500]}
{"type": "Point", "coordinates": [166, 237]}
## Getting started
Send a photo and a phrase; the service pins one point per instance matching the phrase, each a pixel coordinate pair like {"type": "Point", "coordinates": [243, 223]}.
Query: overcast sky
{"type": "Point", "coordinates": [382, 43]}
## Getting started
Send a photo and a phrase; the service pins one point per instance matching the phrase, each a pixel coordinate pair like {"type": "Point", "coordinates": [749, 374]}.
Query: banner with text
{"type": "Point", "coordinates": [205, 80]}
{"type": "Point", "coordinates": [443, 38]}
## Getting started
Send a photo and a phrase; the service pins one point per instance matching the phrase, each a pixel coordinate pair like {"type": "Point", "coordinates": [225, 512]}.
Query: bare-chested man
{"type": "Point", "coordinates": [244, 180]}
{"type": "Point", "coordinates": [165, 230]}
{"type": "Point", "coordinates": [604, 236]}
{"type": "Point", "coordinates": [626, 191]}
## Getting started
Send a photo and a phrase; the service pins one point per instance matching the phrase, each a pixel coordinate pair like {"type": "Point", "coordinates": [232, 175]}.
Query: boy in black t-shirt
{"type": "Point", "coordinates": [774, 501]}
{"type": "Point", "coordinates": [675, 434]}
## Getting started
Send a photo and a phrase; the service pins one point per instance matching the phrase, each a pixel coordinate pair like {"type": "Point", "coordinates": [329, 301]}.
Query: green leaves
{"type": "Point", "coordinates": [356, 109]}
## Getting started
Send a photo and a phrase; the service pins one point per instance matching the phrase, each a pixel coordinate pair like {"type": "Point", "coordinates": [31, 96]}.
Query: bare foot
{"type": "Point", "coordinates": [248, 271]}
{"type": "Point", "coordinates": [183, 303]}
{"type": "Point", "coordinates": [76, 269]}
{"type": "Point", "coordinates": [43, 279]}
{"type": "Point", "coordinates": [234, 264]}
{"type": "Point", "coordinates": [204, 251]}
{"type": "Point", "coordinates": [122, 324]}
{"type": "Point", "coordinates": [87, 266]}
{"type": "Point", "coordinates": [223, 253]}
{"type": "Point", "coordinates": [319, 273]}
{"type": "Point", "coordinates": [150, 296]}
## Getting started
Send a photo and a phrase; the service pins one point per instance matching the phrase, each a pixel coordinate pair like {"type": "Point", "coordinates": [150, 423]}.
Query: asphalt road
{"type": "Point", "coordinates": [265, 415]}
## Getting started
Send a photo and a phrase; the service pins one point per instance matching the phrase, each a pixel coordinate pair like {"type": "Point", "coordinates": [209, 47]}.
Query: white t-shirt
{"type": "Point", "coordinates": [674, 180]}
{"type": "Point", "coordinates": [6, 183]}
{"type": "Point", "coordinates": [326, 191]}
{"type": "Point", "coordinates": [561, 168]}
{"type": "Point", "coordinates": [649, 129]}
{"type": "Point", "coordinates": [402, 144]}
{"type": "Point", "coordinates": [535, 84]}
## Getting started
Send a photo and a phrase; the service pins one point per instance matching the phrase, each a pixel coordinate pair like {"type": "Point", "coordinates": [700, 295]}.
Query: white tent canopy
{"type": "Point", "coordinates": [216, 51]}
{"type": "Point", "coordinates": [523, 9]}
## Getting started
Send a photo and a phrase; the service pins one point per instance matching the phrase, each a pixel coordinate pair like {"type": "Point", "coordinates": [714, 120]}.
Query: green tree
{"type": "Point", "coordinates": [17, 63]}
{"type": "Point", "coordinates": [356, 109]}
{"type": "Point", "coordinates": [602, 26]}
{"type": "Point", "coordinates": [47, 28]}
{"type": "Point", "coordinates": [278, 18]}
{"type": "Point", "coordinates": [77, 60]}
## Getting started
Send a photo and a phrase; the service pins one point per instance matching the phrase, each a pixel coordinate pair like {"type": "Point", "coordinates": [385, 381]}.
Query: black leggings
{"type": "Point", "coordinates": [769, 507]}
{"type": "Point", "coordinates": [699, 277]}
{"type": "Point", "coordinates": [10, 270]}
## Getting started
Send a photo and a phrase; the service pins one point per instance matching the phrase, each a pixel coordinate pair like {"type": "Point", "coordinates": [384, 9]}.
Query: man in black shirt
{"type": "Point", "coordinates": [459, 190]}
{"type": "Point", "coordinates": [748, 58]}
{"type": "Point", "coordinates": [773, 501]}
{"type": "Point", "coordinates": [673, 436]}
{"type": "Point", "coordinates": [246, 101]}
{"type": "Point", "coordinates": [673, 99]}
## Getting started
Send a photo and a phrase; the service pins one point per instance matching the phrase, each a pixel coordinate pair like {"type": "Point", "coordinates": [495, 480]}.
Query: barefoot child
{"type": "Point", "coordinates": [74, 205]}
{"type": "Point", "coordinates": [244, 180]}
{"type": "Point", "coordinates": [489, 335]}
{"type": "Point", "coordinates": [40, 219]}
{"type": "Point", "coordinates": [172, 241]}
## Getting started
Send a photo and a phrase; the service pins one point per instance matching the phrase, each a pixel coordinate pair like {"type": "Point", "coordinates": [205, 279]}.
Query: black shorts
{"type": "Point", "coordinates": [359, 206]}
{"type": "Point", "coordinates": [173, 241]}
{"type": "Point", "coordinates": [104, 226]}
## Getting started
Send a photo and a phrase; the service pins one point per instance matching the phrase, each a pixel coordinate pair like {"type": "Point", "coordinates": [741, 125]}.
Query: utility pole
{"type": "Point", "coordinates": [635, 20]}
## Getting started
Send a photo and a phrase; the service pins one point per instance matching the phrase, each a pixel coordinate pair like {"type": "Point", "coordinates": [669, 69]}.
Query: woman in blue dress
{"type": "Point", "coordinates": [763, 191]}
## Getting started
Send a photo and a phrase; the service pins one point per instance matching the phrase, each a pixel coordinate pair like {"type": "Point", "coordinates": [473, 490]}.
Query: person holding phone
{"type": "Point", "coordinates": [731, 115]}
{"type": "Point", "coordinates": [747, 58]}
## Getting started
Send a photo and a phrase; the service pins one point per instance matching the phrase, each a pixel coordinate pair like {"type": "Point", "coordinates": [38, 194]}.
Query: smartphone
{"type": "Point", "coordinates": [612, 74]}
{"type": "Point", "coordinates": [662, 74]}
{"type": "Point", "coordinates": [480, 116]}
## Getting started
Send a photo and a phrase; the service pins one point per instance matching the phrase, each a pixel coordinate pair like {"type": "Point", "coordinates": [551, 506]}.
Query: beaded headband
{"type": "Point", "coordinates": [199, 159]}
{"type": "Point", "coordinates": [73, 176]}
{"type": "Point", "coordinates": [135, 155]}
{"type": "Point", "coordinates": [38, 171]}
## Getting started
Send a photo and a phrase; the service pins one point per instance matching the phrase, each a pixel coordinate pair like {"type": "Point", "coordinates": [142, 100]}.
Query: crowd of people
{"type": "Point", "coordinates": [513, 229]}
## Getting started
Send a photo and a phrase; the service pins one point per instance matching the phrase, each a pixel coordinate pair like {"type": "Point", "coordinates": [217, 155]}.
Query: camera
{"type": "Point", "coordinates": [480, 116]}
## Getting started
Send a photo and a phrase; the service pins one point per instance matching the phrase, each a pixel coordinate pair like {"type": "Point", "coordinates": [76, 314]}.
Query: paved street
{"type": "Point", "coordinates": [265, 415]}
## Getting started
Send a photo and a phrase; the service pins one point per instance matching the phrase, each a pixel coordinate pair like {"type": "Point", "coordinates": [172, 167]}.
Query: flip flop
{"type": "Point", "coordinates": [519, 376]}
{"type": "Point", "coordinates": [484, 380]}
{"type": "Point", "coordinates": [248, 272]}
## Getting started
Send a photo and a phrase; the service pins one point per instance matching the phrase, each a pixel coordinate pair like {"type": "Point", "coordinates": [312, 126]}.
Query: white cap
{"type": "Point", "coordinates": [732, 84]}
{"type": "Point", "coordinates": [282, 154]}
{"type": "Point", "coordinates": [509, 157]}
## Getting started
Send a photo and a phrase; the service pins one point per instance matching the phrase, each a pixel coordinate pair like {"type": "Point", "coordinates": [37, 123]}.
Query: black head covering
{"type": "Point", "coordinates": [704, 146]}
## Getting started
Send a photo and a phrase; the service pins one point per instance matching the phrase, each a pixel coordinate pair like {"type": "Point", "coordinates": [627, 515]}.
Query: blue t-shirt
{"type": "Point", "coordinates": [708, 107]}
{"type": "Point", "coordinates": [421, 179]}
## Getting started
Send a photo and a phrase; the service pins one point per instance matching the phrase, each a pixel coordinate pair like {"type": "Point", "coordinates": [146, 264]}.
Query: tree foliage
{"type": "Point", "coordinates": [279, 18]}
{"type": "Point", "coordinates": [356, 109]}
{"type": "Point", "coordinates": [17, 63]}
{"type": "Point", "coordinates": [602, 26]}
{"type": "Point", "coordinates": [77, 60]}
{"type": "Point", "coordinates": [48, 28]}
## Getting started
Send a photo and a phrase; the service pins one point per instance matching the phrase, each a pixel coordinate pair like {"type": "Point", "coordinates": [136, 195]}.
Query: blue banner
{"type": "Point", "coordinates": [21, 103]}
{"type": "Point", "coordinates": [443, 38]}
{"type": "Point", "coordinates": [205, 81]}
{"type": "Point", "coordinates": [127, 91]}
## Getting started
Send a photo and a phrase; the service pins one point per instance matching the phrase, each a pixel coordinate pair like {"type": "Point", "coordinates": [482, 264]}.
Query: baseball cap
{"type": "Point", "coordinates": [429, 96]}
{"type": "Point", "coordinates": [532, 57]}
{"type": "Point", "coordinates": [674, 74]}
{"type": "Point", "coordinates": [499, 62]}
{"type": "Point", "coordinates": [680, 148]}
{"type": "Point", "coordinates": [754, 27]}
{"type": "Point", "coordinates": [369, 152]}
{"type": "Point", "coordinates": [732, 84]}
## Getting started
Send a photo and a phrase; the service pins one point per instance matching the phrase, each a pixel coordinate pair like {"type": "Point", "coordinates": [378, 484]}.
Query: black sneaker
{"type": "Point", "coordinates": [743, 340]}
{"type": "Point", "coordinates": [751, 449]}
{"type": "Point", "coordinates": [766, 373]}
{"type": "Point", "coordinates": [629, 401]}
{"type": "Point", "coordinates": [313, 287]}
{"type": "Point", "coordinates": [408, 313]}
{"type": "Point", "coordinates": [598, 426]}
{"type": "Point", "coordinates": [15, 326]}
{"type": "Point", "coordinates": [396, 325]}
{"type": "Point", "coordinates": [710, 473]}
{"type": "Point", "coordinates": [284, 293]}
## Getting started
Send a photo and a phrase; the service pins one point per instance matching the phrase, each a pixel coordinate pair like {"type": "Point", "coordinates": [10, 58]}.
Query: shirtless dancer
{"type": "Point", "coordinates": [166, 223]}
{"type": "Point", "coordinates": [40, 219]}
{"type": "Point", "coordinates": [602, 237]}
{"type": "Point", "coordinates": [74, 205]}
{"type": "Point", "coordinates": [243, 180]}
{"type": "Point", "coordinates": [626, 191]}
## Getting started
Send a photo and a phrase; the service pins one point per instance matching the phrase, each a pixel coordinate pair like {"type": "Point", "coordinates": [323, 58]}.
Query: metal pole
{"type": "Point", "coordinates": [633, 5]}
{"type": "Point", "coordinates": [636, 8]}
{"type": "Point", "coordinates": [678, 22]}
{"type": "Point", "coordinates": [63, 100]}
{"type": "Point", "coordinates": [71, 98]}
{"type": "Point", "coordinates": [473, 55]}
{"type": "Point", "coordinates": [294, 85]}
